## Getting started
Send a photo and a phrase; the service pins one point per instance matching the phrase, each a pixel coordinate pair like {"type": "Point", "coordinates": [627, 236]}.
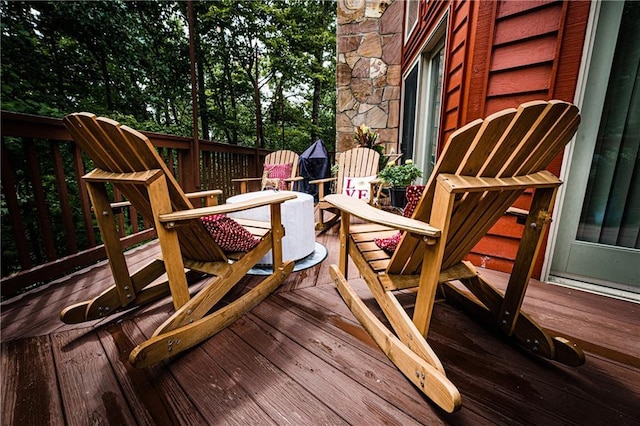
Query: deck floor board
{"type": "Point", "coordinates": [300, 357]}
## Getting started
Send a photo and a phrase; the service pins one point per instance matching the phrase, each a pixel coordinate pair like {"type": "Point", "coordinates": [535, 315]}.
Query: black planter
{"type": "Point", "coordinates": [399, 197]}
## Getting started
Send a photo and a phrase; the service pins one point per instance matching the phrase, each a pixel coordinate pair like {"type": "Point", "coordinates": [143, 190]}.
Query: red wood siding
{"type": "Point", "coordinates": [499, 55]}
{"type": "Point", "coordinates": [532, 28]}
{"type": "Point", "coordinates": [458, 39]}
{"type": "Point", "coordinates": [534, 54]}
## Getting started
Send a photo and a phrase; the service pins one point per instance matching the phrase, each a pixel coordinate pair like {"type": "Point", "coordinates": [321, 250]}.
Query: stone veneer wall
{"type": "Point", "coordinates": [368, 74]}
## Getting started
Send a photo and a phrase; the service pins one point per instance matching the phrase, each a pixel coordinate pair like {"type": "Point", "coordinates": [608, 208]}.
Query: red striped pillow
{"type": "Point", "coordinates": [277, 171]}
{"type": "Point", "coordinates": [414, 192]}
{"type": "Point", "coordinates": [229, 234]}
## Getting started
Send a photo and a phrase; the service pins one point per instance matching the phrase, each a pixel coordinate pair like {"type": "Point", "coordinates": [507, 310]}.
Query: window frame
{"type": "Point", "coordinates": [422, 150]}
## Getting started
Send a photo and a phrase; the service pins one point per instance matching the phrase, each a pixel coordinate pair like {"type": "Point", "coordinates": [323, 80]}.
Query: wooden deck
{"type": "Point", "coordinates": [301, 358]}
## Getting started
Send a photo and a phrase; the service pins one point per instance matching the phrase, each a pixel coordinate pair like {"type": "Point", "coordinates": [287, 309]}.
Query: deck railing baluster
{"type": "Point", "coordinates": [11, 198]}
{"type": "Point", "coordinates": [85, 207]}
{"type": "Point", "coordinates": [42, 209]}
{"type": "Point", "coordinates": [63, 195]}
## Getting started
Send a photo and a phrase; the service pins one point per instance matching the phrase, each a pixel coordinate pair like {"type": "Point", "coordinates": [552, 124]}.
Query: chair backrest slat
{"type": "Point", "coordinates": [356, 162]}
{"type": "Point", "coordinates": [119, 149]}
{"type": "Point", "coordinates": [509, 143]}
{"type": "Point", "coordinates": [284, 156]}
{"type": "Point", "coordinates": [485, 142]}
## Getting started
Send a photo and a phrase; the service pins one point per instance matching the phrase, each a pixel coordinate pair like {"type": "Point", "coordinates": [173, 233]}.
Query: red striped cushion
{"type": "Point", "coordinates": [279, 172]}
{"type": "Point", "coordinates": [414, 192]}
{"type": "Point", "coordinates": [229, 234]}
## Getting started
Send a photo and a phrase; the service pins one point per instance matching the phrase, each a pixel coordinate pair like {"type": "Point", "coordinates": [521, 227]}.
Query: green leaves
{"type": "Point", "coordinates": [132, 58]}
{"type": "Point", "coordinates": [402, 175]}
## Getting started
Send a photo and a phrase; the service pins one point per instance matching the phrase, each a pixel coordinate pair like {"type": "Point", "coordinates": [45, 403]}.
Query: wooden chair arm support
{"type": "Point", "coordinates": [207, 193]}
{"type": "Point", "coordinates": [249, 179]}
{"type": "Point", "coordinates": [210, 196]}
{"type": "Point", "coordinates": [324, 180]}
{"type": "Point", "coordinates": [226, 208]}
{"type": "Point", "coordinates": [321, 187]}
{"type": "Point", "coordinates": [367, 212]}
{"type": "Point", "coordinates": [456, 183]}
{"type": "Point", "coordinates": [293, 179]}
{"type": "Point", "coordinates": [200, 194]}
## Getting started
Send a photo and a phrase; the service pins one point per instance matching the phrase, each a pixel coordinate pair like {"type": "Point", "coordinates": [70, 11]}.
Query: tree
{"type": "Point", "coordinates": [263, 66]}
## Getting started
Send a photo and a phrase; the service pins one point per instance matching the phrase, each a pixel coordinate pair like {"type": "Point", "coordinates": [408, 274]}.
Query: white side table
{"type": "Point", "coordinates": [297, 219]}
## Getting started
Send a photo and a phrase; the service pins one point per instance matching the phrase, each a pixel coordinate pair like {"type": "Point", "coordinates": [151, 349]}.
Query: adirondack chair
{"type": "Point", "coordinates": [486, 165]}
{"type": "Point", "coordinates": [278, 163]}
{"type": "Point", "coordinates": [352, 164]}
{"type": "Point", "coordinates": [126, 159]}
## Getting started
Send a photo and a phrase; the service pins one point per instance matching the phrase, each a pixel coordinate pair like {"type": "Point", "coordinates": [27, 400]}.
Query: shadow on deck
{"type": "Point", "coordinates": [301, 358]}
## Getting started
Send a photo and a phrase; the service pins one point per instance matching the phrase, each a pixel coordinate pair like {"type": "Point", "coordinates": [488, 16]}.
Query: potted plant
{"type": "Point", "coordinates": [399, 177]}
{"type": "Point", "coordinates": [365, 137]}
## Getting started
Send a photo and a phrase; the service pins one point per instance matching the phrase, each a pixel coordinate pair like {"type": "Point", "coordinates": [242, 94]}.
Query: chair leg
{"type": "Point", "coordinates": [530, 243]}
{"type": "Point", "coordinates": [526, 331]}
{"type": "Point", "coordinates": [113, 247]}
{"type": "Point", "coordinates": [169, 244]}
{"type": "Point", "coordinates": [108, 302]}
{"type": "Point", "coordinates": [165, 344]}
{"type": "Point", "coordinates": [423, 374]}
{"type": "Point", "coordinates": [217, 287]}
{"type": "Point", "coordinates": [504, 311]}
{"type": "Point", "coordinates": [323, 226]}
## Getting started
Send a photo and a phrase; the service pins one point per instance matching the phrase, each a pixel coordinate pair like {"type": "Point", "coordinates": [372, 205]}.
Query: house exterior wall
{"type": "Point", "coordinates": [369, 39]}
{"type": "Point", "coordinates": [499, 54]}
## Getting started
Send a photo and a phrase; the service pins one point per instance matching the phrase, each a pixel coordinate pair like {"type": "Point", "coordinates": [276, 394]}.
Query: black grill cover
{"type": "Point", "coordinates": [314, 164]}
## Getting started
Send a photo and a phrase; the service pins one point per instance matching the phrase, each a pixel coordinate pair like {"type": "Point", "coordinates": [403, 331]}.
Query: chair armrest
{"type": "Point", "coordinates": [293, 179]}
{"type": "Point", "coordinates": [200, 194]}
{"type": "Point", "coordinates": [324, 180]}
{"type": "Point", "coordinates": [369, 213]}
{"type": "Point", "coordinates": [211, 196]}
{"type": "Point", "coordinates": [207, 193]}
{"type": "Point", "coordinates": [457, 183]}
{"type": "Point", "coordinates": [246, 179]}
{"type": "Point", "coordinates": [226, 208]}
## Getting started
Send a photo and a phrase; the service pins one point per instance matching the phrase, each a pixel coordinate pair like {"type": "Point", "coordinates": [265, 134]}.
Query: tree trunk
{"type": "Point", "coordinates": [315, 109]}
{"type": "Point", "coordinates": [202, 97]}
{"type": "Point", "coordinates": [258, 104]}
{"type": "Point", "coordinates": [105, 80]}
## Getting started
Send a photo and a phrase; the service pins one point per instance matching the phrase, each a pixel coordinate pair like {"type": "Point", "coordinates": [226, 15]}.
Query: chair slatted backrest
{"type": "Point", "coordinates": [356, 162]}
{"type": "Point", "coordinates": [512, 142]}
{"type": "Point", "coordinates": [284, 156]}
{"type": "Point", "coordinates": [119, 149]}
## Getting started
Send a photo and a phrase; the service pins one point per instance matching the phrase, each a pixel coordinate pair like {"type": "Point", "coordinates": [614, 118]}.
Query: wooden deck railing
{"type": "Point", "coordinates": [47, 224]}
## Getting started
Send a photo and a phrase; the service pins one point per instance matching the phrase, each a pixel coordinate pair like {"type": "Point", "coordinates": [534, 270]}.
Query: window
{"type": "Point", "coordinates": [412, 8]}
{"type": "Point", "coordinates": [422, 98]}
{"type": "Point", "coordinates": [435, 74]}
{"type": "Point", "coordinates": [409, 107]}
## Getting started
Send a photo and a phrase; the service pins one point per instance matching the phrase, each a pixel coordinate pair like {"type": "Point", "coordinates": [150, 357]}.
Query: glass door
{"type": "Point", "coordinates": [599, 232]}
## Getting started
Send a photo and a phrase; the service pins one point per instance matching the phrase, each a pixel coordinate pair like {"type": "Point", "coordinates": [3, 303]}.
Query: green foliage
{"type": "Point", "coordinates": [365, 137]}
{"type": "Point", "coordinates": [130, 61]}
{"type": "Point", "coordinates": [402, 175]}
